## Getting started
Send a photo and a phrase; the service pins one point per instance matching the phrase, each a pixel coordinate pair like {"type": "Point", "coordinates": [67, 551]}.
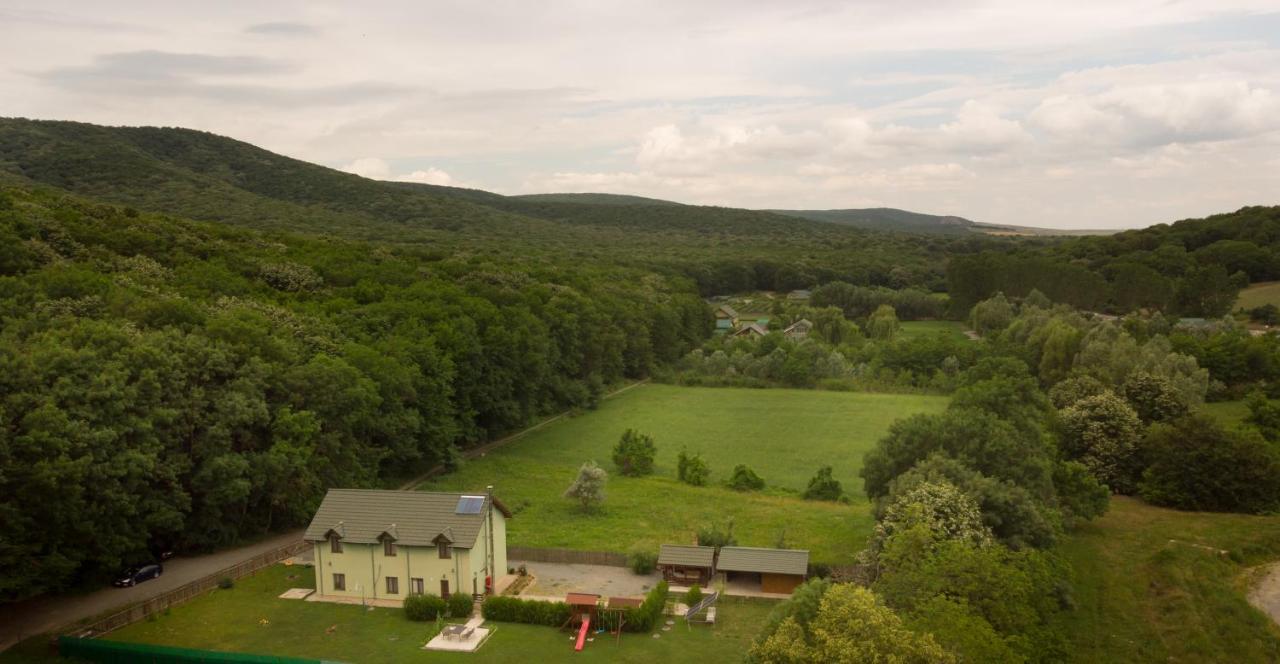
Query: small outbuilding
{"type": "Point", "coordinates": [775, 570]}
{"type": "Point", "coordinates": [726, 318]}
{"type": "Point", "coordinates": [799, 329]}
{"type": "Point", "coordinates": [686, 565]}
{"type": "Point", "coordinates": [752, 330]}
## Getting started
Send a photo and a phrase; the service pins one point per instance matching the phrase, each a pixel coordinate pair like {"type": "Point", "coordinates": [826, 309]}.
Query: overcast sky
{"type": "Point", "coordinates": [1064, 114]}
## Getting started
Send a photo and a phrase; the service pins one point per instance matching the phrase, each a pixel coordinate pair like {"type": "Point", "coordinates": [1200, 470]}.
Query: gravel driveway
{"type": "Point", "coordinates": [556, 579]}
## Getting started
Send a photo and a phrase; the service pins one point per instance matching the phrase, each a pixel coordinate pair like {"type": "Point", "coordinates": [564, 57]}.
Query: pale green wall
{"type": "Point", "coordinates": [365, 565]}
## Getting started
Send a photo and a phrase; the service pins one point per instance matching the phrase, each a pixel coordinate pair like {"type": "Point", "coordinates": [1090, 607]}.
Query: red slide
{"type": "Point", "coordinates": [582, 633]}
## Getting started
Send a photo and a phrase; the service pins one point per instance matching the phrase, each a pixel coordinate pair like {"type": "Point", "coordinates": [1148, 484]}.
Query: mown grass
{"type": "Point", "coordinates": [1150, 586]}
{"type": "Point", "coordinates": [1230, 413]}
{"type": "Point", "coordinates": [1259, 294]}
{"type": "Point", "coordinates": [231, 620]}
{"type": "Point", "coordinates": [927, 328]}
{"type": "Point", "coordinates": [784, 435]}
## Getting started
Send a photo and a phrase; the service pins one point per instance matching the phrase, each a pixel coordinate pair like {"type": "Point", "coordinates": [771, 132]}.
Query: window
{"type": "Point", "coordinates": [393, 585]}
{"type": "Point", "coordinates": [416, 586]}
{"type": "Point", "coordinates": [443, 548]}
{"type": "Point", "coordinates": [335, 544]}
{"type": "Point", "coordinates": [388, 547]}
{"type": "Point", "coordinates": [339, 581]}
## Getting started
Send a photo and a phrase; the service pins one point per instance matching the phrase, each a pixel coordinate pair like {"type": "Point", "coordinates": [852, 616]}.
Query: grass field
{"type": "Point", "coordinates": [1147, 591]}
{"type": "Point", "coordinates": [1259, 294]}
{"type": "Point", "coordinates": [231, 620]}
{"type": "Point", "coordinates": [921, 328]}
{"type": "Point", "coordinates": [1230, 413]}
{"type": "Point", "coordinates": [784, 435]}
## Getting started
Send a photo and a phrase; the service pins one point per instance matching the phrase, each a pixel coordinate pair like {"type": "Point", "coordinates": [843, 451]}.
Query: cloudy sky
{"type": "Point", "coordinates": [1074, 114]}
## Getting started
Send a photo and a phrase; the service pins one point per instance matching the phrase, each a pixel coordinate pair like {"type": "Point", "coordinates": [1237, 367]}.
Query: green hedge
{"type": "Point", "coordinates": [424, 607]}
{"type": "Point", "coordinates": [532, 612]}
{"type": "Point", "coordinates": [649, 614]}
{"type": "Point", "coordinates": [461, 605]}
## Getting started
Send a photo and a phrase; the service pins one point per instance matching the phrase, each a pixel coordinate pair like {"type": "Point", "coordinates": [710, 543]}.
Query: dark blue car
{"type": "Point", "coordinates": [135, 575]}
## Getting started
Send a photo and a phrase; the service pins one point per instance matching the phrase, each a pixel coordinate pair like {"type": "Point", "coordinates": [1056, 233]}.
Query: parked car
{"type": "Point", "coordinates": [137, 574]}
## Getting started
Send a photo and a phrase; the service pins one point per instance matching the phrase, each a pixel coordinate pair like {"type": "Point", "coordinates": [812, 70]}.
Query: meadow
{"type": "Point", "coordinates": [912, 329]}
{"type": "Point", "coordinates": [1259, 294]}
{"type": "Point", "coordinates": [1152, 584]}
{"type": "Point", "coordinates": [784, 435]}
{"type": "Point", "coordinates": [251, 618]}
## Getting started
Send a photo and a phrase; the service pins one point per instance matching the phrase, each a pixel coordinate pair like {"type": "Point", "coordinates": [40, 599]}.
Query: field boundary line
{"type": "Point", "coordinates": [511, 438]}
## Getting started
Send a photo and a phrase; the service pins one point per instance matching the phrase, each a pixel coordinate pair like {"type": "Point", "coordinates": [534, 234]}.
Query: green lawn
{"type": "Point", "coordinates": [1259, 294]}
{"type": "Point", "coordinates": [784, 435]}
{"type": "Point", "coordinates": [921, 328]}
{"type": "Point", "coordinates": [1230, 413]}
{"type": "Point", "coordinates": [1144, 598]}
{"type": "Point", "coordinates": [231, 620]}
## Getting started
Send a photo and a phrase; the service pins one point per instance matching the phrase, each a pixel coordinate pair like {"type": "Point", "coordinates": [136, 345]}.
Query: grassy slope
{"type": "Point", "coordinates": [1259, 294]}
{"type": "Point", "coordinates": [1143, 598]}
{"type": "Point", "coordinates": [922, 328]}
{"type": "Point", "coordinates": [229, 620]}
{"type": "Point", "coordinates": [784, 435]}
{"type": "Point", "coordinates": [1229, 413]}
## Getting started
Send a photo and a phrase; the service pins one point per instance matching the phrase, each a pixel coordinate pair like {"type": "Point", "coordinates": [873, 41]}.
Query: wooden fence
{"type": "Point", "coordinates": [569, 556]}
{"type": "Point", "coordinates": [183, 593]}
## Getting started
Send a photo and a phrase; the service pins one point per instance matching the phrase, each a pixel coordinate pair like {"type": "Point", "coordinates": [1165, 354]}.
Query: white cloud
{"type": "Point", "coordinates": [369, 167]}
{"type": "Point", "coordinates": [378, 169]}
{"type": "Point", "coordinates": [431, 176]}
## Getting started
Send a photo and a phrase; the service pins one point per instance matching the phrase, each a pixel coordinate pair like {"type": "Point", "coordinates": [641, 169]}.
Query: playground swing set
{"type": "Point", "coordinates": [586, 609]}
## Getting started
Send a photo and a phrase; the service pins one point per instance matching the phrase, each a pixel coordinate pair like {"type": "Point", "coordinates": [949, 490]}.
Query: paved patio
{"type": "Point", "coordinates": [557, 579]}
{"type": "Point", "coordinates": [459, 644]}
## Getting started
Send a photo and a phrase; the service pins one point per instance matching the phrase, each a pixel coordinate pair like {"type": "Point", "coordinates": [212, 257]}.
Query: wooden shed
{"type": "Point", "coordinates": [686, 565]}
{"type": "Point", "coordinates": [776, 570]}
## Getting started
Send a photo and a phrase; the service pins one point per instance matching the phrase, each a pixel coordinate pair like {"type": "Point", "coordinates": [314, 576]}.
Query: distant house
{"type": "Point", "coordinates": [752, 330]}
{"type": "Point", "coordinates": [726, 318]}
{"type": "Point", "coordinates": [799, 329]}
{"type": "Point", "coordinates": [799, 294]}
{"type": "Point", "coordinates": [774, 570]}
{"type": "Point", "coordinates": [371, 544]}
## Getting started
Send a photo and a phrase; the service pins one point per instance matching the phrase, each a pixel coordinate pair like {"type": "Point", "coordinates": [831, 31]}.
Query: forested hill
{"type": "Point", "coordinates": [1194, 267]}
{"type": "Point", "coordinates": [887, 219]}
{"type": "Point", "coordinates": [212, 178]}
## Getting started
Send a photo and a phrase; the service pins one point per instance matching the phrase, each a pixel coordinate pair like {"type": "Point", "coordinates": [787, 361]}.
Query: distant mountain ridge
{"type": "Point", "coordinates": [894, 219]}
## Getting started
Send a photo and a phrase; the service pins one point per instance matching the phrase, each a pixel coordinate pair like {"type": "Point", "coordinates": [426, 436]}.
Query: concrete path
{"type": "Point", "coordinates": [1265, 594]}
{"type": "Point", "coordinates": [39, 615]}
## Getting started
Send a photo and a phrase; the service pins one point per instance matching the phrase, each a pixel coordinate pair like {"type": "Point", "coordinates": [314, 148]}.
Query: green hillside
{"type": "Point", "coordinates": [887, 219]}
{"type": "Point", "coordinates": [595, 199]}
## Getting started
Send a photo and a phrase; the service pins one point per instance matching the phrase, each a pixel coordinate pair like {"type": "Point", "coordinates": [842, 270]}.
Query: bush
{"type": "Point", "coordinates": [823, 487]}
{"type": "Point", "coordinates": [713, 536]}
{"type": "Point", "coordinates": [422, 608]}
{"type": "Point", "coordinates": [460, 605]}
{"type": "Point", "coordinates": [643, 562]}
{"type": "Point", "coordinates": [745, 479]}
{"type": "Point", "coordinates": [588, 487]}
{"type": "Point", "coordinates": [226, 583]}
{"type": "Point", "coordinates": [692, 469]}
{"type": "Point", "coordinates": [633, 455]}
{"type": "Point", "coordinates": [1195, 464]}
{"type": "Point", "coordinates": [649, 614]}
{"type": "Point", "coordinates": [531, 612]}
{"type": "Point", "coordinates": [693, 596]}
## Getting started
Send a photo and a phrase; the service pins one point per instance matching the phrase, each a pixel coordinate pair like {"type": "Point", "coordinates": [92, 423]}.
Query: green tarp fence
{"type": "Point", "coordinates": [120, 652]}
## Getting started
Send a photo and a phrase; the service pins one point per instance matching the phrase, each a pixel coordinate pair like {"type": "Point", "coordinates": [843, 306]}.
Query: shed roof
{"type": "Point", "coordinates": [580, 599]}
{"type": "Point", "coordinates": [770, 561]}
{"type": "Point", "coordinates": [688, 556]}
{"type": "Point", "coordinates": [625, 602]}
{"type": "Point", "coordinates": [411, 518]}
{"type": "Point", "coordinates": [727, 310]}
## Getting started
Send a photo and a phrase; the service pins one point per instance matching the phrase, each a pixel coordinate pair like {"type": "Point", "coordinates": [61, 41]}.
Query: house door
{"type": "Point", "coordinates": [444, 588]}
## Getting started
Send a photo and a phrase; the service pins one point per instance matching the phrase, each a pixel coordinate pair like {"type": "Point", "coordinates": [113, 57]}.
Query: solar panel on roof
{"type": "Point", "coordinates": [469, 505]}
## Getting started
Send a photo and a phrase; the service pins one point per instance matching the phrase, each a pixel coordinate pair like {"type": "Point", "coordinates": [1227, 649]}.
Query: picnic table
{"type": "Point", "coordinates": [453, 631]}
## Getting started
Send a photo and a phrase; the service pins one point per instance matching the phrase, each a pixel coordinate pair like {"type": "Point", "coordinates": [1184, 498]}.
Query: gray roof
{"type": "Point", "coordinates": [412, 518]}
{"type": "Point", "coordinates": [772, 561]}
{"type": "Point", "coordinates": [687, 556]}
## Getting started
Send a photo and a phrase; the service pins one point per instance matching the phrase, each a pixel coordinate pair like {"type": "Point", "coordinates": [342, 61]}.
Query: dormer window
{"type": "Point", "coordinates": [335, 544]}
{"type": "Point", "coordinates": [388, 547]}
{"type": "Point", "coordinates": [444, 549]}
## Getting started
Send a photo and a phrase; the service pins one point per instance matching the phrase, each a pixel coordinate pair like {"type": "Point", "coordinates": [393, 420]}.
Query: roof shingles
{"type": "Point", "coordinates": [685, 556]}
{"type": "Point", "coordinates": [769, 561]}
{"type": "Point", "coordinates": [413, 518]}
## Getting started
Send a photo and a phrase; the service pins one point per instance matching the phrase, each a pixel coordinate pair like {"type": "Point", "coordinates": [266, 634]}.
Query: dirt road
{"type": "Point", "coordinates": [43, 614]}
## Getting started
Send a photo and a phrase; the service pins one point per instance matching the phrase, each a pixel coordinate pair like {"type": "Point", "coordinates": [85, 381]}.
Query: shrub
{"type": "Point", "coordinates": [823, 487]}
{"type": "Point", "coordinates": [226, 583]}
{"type": "Point", "coordinates": [530, 612]}
{"type": "Point", "coordinates": [745, 479]}
{"type": "Point", "coordinates": [460, 605]}
{"type": "Point", "coordinates": [1198, 465]}
{"type": "Point", "coordinates": [692, 469]}
{"type": "Point", "coordinates": [633, 455]}
{"type": "Point", "coordinates": [713, 536]}
{"type": "Point", "coordinates": [642, 562]}
{"type": "Point", "coordinates": [1102, 433]}
{"type": "Point", "coordinates": [649, 613]}
{"type": "Point", "coordinates": [693, 596]}
{"type": "Point", "coordinates": [422, 608]}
